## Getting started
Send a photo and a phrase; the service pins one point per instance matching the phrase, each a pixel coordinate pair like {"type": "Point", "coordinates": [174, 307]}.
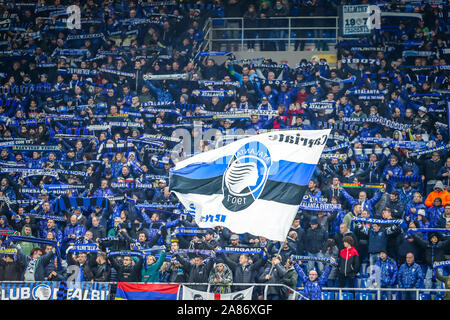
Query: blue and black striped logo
{"type": "Point", "coordinates": [246, 176]}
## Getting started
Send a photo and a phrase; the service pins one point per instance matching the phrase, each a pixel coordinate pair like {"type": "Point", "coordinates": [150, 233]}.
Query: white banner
{"type": "Point", "coordinates": [191, 294]}
{"type": "Point", "coordinates": [360, 19]}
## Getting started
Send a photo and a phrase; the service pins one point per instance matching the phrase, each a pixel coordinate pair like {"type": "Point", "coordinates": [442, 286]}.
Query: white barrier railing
{"type": "Point", "coordinates": [236, 30]}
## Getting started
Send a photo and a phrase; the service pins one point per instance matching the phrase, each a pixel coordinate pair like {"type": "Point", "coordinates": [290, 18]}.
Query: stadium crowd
{"type": "Point", "coordinates": [88, 129]}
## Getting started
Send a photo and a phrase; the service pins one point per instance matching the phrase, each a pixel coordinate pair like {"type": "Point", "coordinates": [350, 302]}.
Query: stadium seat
{"type": "Point", "coordinates": [346, 296]}
{"type": "Point", "coordinates": [424, 296]}
{"type": "Point", "coordinates": [439, 296]}
{"type": "Point", "coordinates": [327, 295]}
{"type": "Point", "coordinates": [364, 296]}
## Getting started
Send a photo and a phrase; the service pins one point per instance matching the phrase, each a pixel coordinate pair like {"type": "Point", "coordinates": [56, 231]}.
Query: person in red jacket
{"type": "Point", "coordinates": [348, 264]}
{"type": "Point", "coordinates": [301, 95]}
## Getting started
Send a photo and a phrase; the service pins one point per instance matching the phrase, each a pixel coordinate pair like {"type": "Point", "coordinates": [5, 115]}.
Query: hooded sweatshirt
{"type": "Point", "coordinates": [227, 278]}
{"type": "Point", "coordinates": [27, 246]}
{"type": "Point", "coordinates": [444, 195]}
{"type": "Point", "coordinates": [349, 262]}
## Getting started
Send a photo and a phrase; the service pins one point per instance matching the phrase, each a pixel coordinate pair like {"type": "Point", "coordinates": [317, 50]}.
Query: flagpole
{"type": "Point", "coordinates": [281, 243]}
{"type": "Point", "coordinates": [278, 253]}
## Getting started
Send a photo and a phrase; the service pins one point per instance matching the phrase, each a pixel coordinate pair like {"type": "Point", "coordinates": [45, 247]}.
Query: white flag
{"type": "Point", "coordinates": [191, 294]}
{"type": "Point", "coordinates": [253, 185]}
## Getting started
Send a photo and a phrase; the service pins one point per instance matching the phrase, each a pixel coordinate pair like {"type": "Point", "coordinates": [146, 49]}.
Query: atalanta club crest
{"type": "Point", "coordinates": [246, 176]}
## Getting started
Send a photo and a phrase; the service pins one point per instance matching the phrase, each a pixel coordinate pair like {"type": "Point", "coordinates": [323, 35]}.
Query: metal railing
{"type": "Point", "coordinates": [338, 293]}
{"type": "Point", "coordinates": [207, 31]}
{"type": "Point", "coordinates": [377, 293]}
{"type": "Point", "coordinates": [283, 32]}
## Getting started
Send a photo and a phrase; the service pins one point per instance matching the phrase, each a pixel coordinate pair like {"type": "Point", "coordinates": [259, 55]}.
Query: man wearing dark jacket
{"type": "Point", "coordinates": [84, 263]}
{"type": "Point", "coordinates": [343, 232]}
{"type": "Point", "coordinates": [10, 269]}
{"type": "Point", "coordinates": [393, 231]}
{"type": "Point", "coordinates": [377, 240]}
{"type": "Point", "coordinates": [54, 271]}
{"type": "Point", "coordinates": [127, 271]}
{"type": "Point", "coordinates": [35, 263]}
{"type": "Point", "coordinates": [208, 241]}
{"type": "Point", "coordinates": [199, 271]}
{"type": "Point", "coordinates": [430, 167]}
{"type": "Point", "coordinates": [274, 272]}
{"type": "Point", "coordinates": [396, 205]}
{"type": "Point", "coordinates": [289, 279]}
{"type": "Point", "coordinates": [408, 244]}
{"type": "Point", "coordinates": [102, 271]}
{"type": "Point", "coordinates": [244, 271]}
{"type": "Point", "coordinates": [314, 242]}
{"type": "Point", "coordinates": [434, 251]}
{"type": "Point", "coordinates": [122, 242]}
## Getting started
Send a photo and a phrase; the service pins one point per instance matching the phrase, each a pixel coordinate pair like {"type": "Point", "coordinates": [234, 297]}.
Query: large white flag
{"type": "Point", "coordinates": [253, 185]}
{"type": "Point", "coordinates": [191, 294]}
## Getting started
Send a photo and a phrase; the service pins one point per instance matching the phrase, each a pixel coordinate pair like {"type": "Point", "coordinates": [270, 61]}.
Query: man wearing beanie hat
{"type": "Point", "coordinates": [185, 97]}
{"type": "Point", "coordinates": [314, 240]}
{"type": "Point", "coordinates": [434, 251]}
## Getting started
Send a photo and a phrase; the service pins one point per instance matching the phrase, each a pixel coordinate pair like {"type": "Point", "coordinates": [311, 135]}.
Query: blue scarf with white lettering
{"type": "Point", "coordinates": [377, 221]}
{"type": "Point", "coordinates": [319, 206]}
{"type": "Point", "coordinates": [318, 259]}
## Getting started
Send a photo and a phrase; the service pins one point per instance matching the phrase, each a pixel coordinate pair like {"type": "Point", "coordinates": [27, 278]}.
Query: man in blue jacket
{"type": "Point", "coordinates": [392, 169]}
{"type": "Point", "coordinates": [366, 204]}
{"type": "Point", "coordinates": [72, 232]}
{"type": "Point", "coordinates": [377, 239]}
{"type": "Point", "coordinates": [312, 284]}
{"type": "Point", "coordinates": [388, 274]}
{"type": "Point", "coordinates": [410, 276]}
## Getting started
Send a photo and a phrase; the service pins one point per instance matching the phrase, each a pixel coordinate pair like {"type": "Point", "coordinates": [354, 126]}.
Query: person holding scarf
{"type": "Point", "coordinates": [150, 269]}
{"type": "Point", "coordinates": [11, 268]}
{"type": "Point", "coordinates": [35, 263]}
{"type": "Point", "coordinates": [312, 284]}
{"type": "Point", "coordinates": [127, 270]}
{"type": "Point", "coordinates": [392, 169]}
{"type": "Point", "coordinates": [434, 251]}
{"type": "Point", "coordinates": [367, 204]}
{"type": "Point", "coordinates": [445, 280]}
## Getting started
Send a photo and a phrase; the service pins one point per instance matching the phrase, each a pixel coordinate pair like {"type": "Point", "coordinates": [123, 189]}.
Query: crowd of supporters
{"type": "Point", "coordinates": [90, 124]}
